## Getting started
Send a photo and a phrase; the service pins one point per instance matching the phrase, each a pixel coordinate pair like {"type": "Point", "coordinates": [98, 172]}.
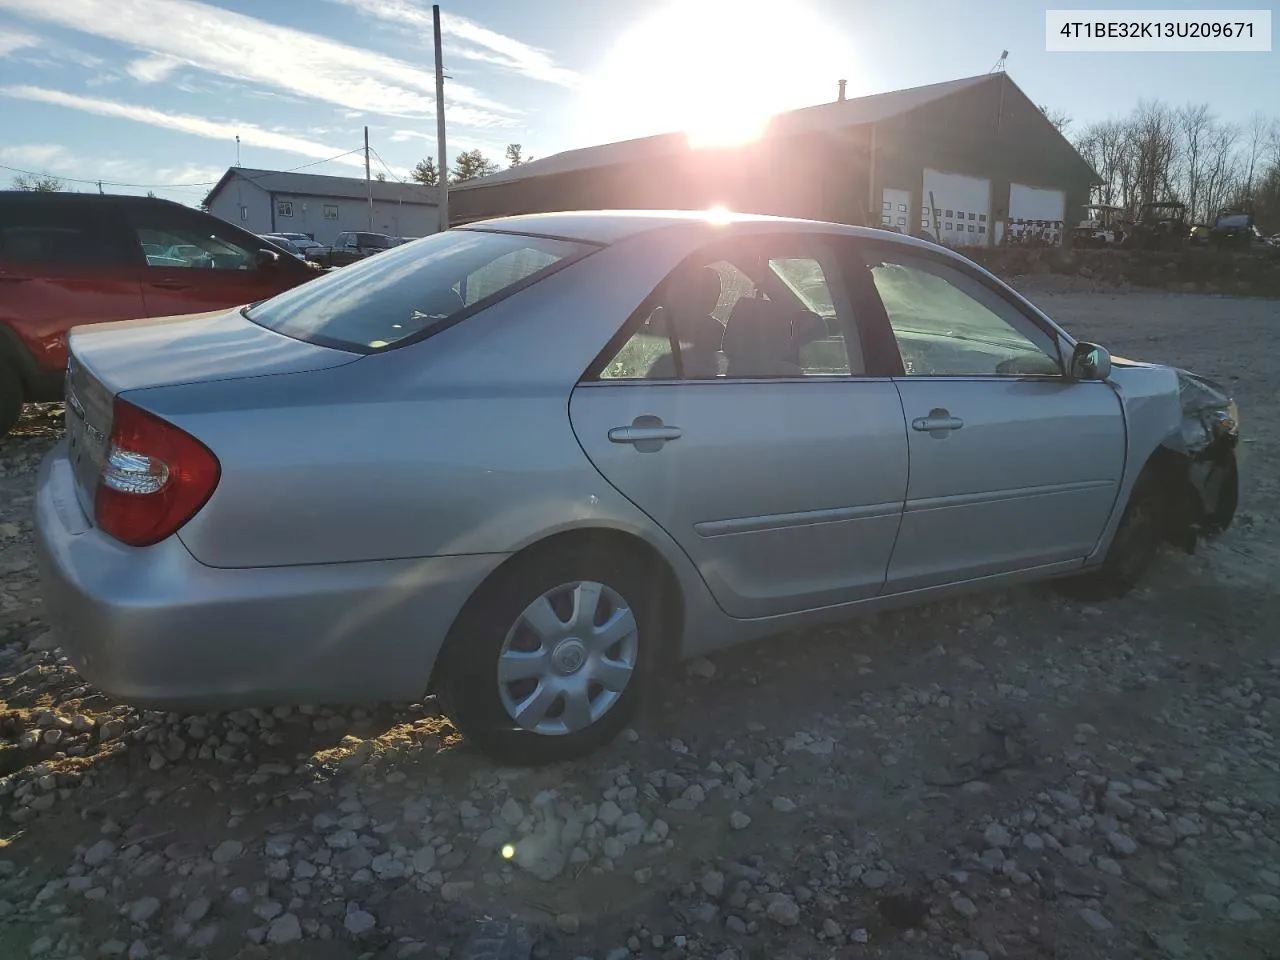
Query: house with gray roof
{"type": "Point", "coordinates": [270, 201]}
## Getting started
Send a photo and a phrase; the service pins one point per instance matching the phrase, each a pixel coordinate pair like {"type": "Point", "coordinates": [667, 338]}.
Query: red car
{"type": "Point", "coordinates": [74, 258]}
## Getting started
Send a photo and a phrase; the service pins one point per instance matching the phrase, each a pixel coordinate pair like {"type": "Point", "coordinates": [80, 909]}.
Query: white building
{"type": "Point", "coordinates": [267, 201]}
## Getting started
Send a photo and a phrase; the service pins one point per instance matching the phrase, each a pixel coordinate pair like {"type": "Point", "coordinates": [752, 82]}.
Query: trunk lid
{"type": "Point", "coordinates": [107, 359]}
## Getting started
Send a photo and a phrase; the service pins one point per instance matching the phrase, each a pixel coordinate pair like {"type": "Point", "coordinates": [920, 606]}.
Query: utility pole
{"type": "Point", "coordinates": [442, 188]}
{"type": "Point", "coordinates": [99, 186]}
{"type": "Point", "coordinates": [368, 180]}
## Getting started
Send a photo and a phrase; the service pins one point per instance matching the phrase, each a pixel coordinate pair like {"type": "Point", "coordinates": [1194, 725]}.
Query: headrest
{"type": "Point", "coordinates": [693, 292]}
{"type": "Point", "coordinates": [758, 340]}
{"type": "Point", "coordinates": [806, 327]}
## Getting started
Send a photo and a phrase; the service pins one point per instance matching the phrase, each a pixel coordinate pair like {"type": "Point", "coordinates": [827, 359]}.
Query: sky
{"type": "Point", "coordinates": [152, 93]}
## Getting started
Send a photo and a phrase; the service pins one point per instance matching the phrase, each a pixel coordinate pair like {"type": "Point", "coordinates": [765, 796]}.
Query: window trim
{"type": "Point", "coordinates": [799, 245]}
{"type": "Point", "coordinates": [868, 249]}
{"type": "Point", "coordinates": [282, 206]}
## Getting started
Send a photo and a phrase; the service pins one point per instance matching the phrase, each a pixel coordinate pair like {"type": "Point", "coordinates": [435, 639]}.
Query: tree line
{"type": "Point", "coordinates": [468, 165]}
{"type": "Point", "coordinates": [1159, 153]}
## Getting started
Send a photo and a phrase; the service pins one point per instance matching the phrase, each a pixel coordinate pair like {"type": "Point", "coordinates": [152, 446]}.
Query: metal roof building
{"type": "Point", "coordinates": [269, 201]}
{"type": "Point", "coordinates": [990, 159]}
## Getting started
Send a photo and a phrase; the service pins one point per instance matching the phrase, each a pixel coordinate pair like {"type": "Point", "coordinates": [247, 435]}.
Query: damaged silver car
{"type": "Point", "coordinates": [521, 463]}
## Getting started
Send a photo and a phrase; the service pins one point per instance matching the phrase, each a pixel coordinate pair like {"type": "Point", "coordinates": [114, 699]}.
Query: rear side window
{"type": "Point", "coordinates": [375, 303]}
{"type": "Point", "coordinates": [170, 239]}
{"type": "Point", "coordinates": [54, 233]}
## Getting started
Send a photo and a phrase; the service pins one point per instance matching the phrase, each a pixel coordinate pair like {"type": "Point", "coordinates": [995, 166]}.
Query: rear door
{"type": "Point", "coordinates": [58, 268]}
{"type": "Point", "coordinates": [737, 410]}
{"type": "Point", "coordinates": [1013, 465]}
{"type": "Point", "coordinates": [195, 263]}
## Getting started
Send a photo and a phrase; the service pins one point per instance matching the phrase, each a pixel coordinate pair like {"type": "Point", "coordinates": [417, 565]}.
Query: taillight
{"type": "Point", "coordinates": [154, 479]}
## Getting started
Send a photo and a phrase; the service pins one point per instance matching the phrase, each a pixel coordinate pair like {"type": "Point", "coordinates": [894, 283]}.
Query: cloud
{"type": "Point", "coordinates": [224, 130]}
{"type": "Point", "coordinates": [152, 69]}
{"type": "Point", "coordinates": [34, 156]}
{"type": "Point", "coordinates": [12, 41]}
{"type": "Point", "coordinates": [244, 48]}
{"type": "Point", "coordinates": [493, 47]}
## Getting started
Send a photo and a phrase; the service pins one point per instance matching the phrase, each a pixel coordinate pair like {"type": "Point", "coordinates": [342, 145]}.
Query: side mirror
{"type": "Point", "coordinates": [1090, 362]}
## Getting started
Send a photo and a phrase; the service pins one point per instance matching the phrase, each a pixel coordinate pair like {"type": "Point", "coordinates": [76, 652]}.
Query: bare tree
{"type": "Point", "coordinates": [1059, 118]}
{"type": "Point", "coordinates": [1155, 144]}
{"type": "Point", "coordinates": [1195, 129]}
{"type": "Point", "coordinates": [38, 183]}
{"type": "Point", "coordinates": [1221, 169]}
{"type": "Point", "coordinates": [1256, 134]}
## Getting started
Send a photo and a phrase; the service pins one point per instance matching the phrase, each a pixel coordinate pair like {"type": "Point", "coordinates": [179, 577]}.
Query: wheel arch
{"type": "Point", "coordinates": [669, 595]}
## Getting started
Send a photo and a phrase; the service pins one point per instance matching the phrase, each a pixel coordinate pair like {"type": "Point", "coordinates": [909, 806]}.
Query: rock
{"type": "Point", "coordinates": [138, 950]}
{"type": "Point", "coordinates": [643, 875]}
{"type": "Point", "coordinates": [512, 813]}
{"type": "Point", "coordinates": [1122, 843]}
{"type": "Point", "coordinates": [1109, 866]}
{"type": "Point", "coordinates": [613, 848]}
{"type": "Point", "coordinates": [424, 860]}
{"type": "Point", "coordinates": [203, 937]}
{"type": "Point", "coordinates": [140, 911]}
{"type": "Point", "coordinates": [196, 910]}
{"type": "Point", "coordinates": [284, 929]}
{"type": "Point", "coordinates": [783, 910]}
{"type": "Point", "coordinates": [701, 667]}
{"type": "Point", "coordinates": [1240, 911]}
{"type": "Point", "coordinates": [267, 910]}
{"type": "Point", "coordinates": [341, 840]}
{"type": "Point", "coordinates": [831, 930]}
{"type": "Point", "coordinates": [712, 883]}
{"type": "Point", "coordinates": [739, 820]}
{"type": "Point", "coordinates": [40, 946]}
{"type": "Point", "coordinates": [609, 813]}
{"type": "Point", "coordinates": [567, 923]}
{"type": "Point", "coordinates": [99, 853]}
{"type": "Point", "coordinates": [1033, 841]}
{"type": "Point", "coordinates": [112, 948]}
{"type": "Point", "coordinates": [1266, 902]}
{"type": "Point", "coordinates": [965, 907]}
{"type": "Point", "coordinates": [386, 867]}
{"type": "Point", "coordinates": [784, 804]}
{"type": "Point", "coordinates": [997, 836]}
{"type": "Point", "coordinates": [227, 851]}
{"type": "Point", "coordinates": [455, 890]}
{"type": "Point", "coordinates": [875, 879]}
{"type": "Point", "coordinates": [1095, 920]}
{"type": "Point", "coordinates": [359, 922]}
{"type": "Point", "coordinates": [1218, 893]}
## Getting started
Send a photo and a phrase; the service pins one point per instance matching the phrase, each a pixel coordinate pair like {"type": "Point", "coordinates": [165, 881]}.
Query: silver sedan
{"type": "Point", "coordinates": [522, 463]}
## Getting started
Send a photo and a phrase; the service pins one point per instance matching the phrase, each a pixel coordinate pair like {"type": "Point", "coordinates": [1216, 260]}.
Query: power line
{"type": "Point", "coordinates": [391, 172]}
{"type": "Point", "coordinates": [168, 186]}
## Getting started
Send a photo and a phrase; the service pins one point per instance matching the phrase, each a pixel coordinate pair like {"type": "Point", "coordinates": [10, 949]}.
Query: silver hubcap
{"type": "Point", "coordinates": [567, 658]}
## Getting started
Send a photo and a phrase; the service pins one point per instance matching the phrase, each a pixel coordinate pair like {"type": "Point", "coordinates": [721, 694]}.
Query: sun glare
{"type": "Point", "coordinates": [717, 70]}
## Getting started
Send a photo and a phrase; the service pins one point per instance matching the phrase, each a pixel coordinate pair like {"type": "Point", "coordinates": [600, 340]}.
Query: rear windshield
{"type": "Point", "coordinates": [374, 303]}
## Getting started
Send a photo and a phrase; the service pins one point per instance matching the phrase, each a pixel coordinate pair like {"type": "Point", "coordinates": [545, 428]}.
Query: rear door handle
{"type": "Point", "coordinates": [938, 424]}
{"type": "Point", "coordinates": [171, 284]}
{"type": "Point", "coordinates": [647, 433]}
{"type": "Point", "coordinates": [4, 279]}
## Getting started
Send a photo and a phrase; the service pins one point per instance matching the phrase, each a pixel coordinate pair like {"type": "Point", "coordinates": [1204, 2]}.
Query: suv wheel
{"type": "Point", "coordinates": [11, 396]}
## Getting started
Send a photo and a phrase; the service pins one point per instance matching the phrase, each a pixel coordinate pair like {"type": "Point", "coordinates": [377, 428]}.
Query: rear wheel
{"type": "Point", "coordinates": [11, 396]}
{"type": "Point", "coordinates": [549, 661]}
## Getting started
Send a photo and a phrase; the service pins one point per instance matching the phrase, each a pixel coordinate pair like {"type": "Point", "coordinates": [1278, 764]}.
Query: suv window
{"type": "Point", "coordinates": [948, 324]}
{"type": "Point", "coordinates": [375, 240]}
{"type": "Point", "coordinates": [171, 240]}
{"type": "Point", "coordinates": [54, 233]}
{"type": "Point", "coordinates": [379, 301]}
{"type": "Point", "coordinates": [756, 310]}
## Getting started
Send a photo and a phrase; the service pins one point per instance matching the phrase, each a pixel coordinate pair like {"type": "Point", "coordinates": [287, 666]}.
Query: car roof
{"type": "Point", "coordinates": [610, 226]}
{"type": "Point", "coordinates": [60, 196]}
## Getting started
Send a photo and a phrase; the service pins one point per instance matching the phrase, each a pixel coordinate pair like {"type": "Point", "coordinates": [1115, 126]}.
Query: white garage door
{"type": "Point", "coordinates": [962, 207]}
{"type": "Point", "coordinates": [1036, 212]}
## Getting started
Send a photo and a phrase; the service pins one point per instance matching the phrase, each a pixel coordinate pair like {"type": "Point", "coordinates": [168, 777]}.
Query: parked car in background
{"type": "Point", "coordinates": [399, 241]}
{"type": "Point", "coordinates": [350, 247]}
{"type": "Point", "coordinates": [78, 258]}
{"type": "Point", "coordinates": [308, 246]}
{"type": "Point", "coordinates": [290, 247]}
{"type": "Point", "coordinates": [548, 453]}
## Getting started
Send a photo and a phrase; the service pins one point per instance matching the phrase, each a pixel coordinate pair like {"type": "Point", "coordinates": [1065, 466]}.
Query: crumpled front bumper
{"type": "Point", "coordinates": [1210, 436]}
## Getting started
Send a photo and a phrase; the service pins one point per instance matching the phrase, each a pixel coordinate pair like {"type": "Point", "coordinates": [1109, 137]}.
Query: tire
{"type": "Point", "coordinates": [11, 396]}
{"type": "Point", "coordinates": [1132, 551]}
{"type": "Point", "coordinates": [567, 675]}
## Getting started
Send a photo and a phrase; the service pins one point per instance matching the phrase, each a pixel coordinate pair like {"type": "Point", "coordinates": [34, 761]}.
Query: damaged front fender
{"type": "Point", "coordinates": [1204, 478]}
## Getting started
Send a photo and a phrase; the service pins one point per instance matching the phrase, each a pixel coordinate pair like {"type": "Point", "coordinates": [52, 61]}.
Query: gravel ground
{"type": "Point", "coordinates": [1011, 775]}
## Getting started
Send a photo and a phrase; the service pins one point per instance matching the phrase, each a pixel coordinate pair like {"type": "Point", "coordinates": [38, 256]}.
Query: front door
{"type": "Point", "coordinates": [1013, 465]}
{"type": "Point", "coordinates": [737, 416]}
{"type": "Point", "coordinates": [193, 266]}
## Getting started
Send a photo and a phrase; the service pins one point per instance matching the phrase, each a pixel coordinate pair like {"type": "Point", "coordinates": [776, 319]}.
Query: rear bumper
{"type": "Point", "coordinates": [155, 627]}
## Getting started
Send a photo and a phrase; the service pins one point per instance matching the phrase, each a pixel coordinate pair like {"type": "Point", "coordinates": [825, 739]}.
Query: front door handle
{"type": "Point", "coordinates": [4, 279]}
{"type": "Point", "coordinates": [938, 424]}
{"type": "Point", "coordinates": [646, 433]}
{"type": "Point", "coordinates": [171, 284]}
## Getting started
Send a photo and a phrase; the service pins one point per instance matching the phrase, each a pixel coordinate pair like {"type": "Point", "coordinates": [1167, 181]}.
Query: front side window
{"type": "Point", "coordinates": [379, 301]}
{"type": "Point", "coordinates": [948, 324]}
{"type": "Point", "coordinates": [741, 312]}
{"type": "Point", "coordinates": [172, 243]}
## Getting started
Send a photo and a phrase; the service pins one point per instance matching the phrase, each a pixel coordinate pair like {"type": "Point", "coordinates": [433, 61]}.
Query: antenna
{"type": "Point", "coordinates": [237, 149]}
{"type": "Point", "coordinates": [999, 67]}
